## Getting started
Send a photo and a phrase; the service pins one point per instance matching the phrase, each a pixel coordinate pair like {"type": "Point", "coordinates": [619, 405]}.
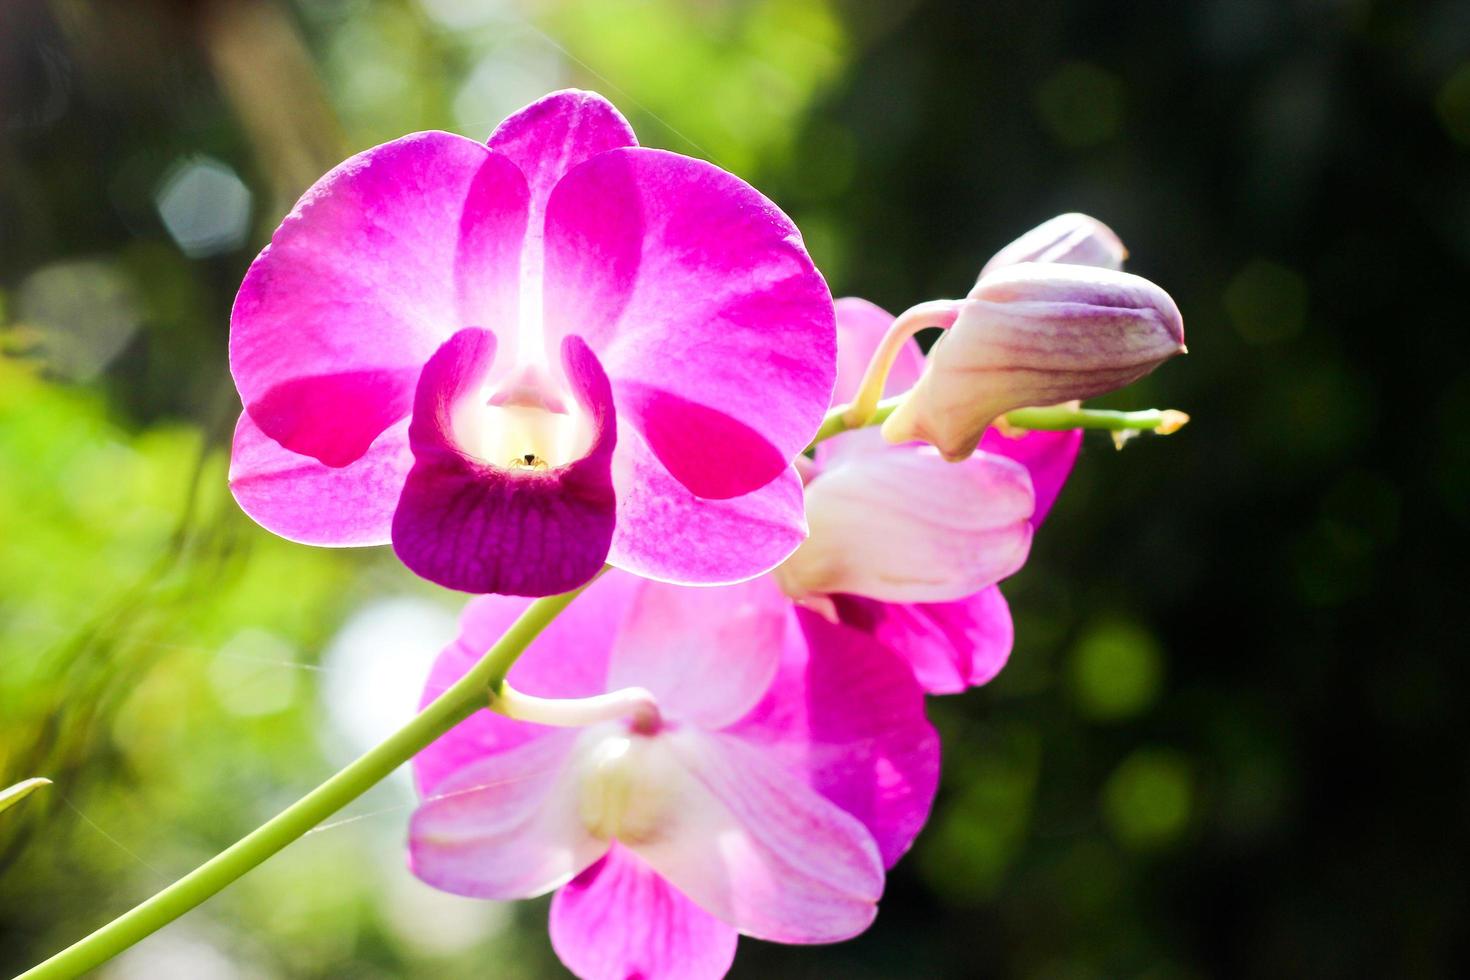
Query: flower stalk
{"type": "Point", "coordinates": [453, 706]}
{"type": "Point", "coordinates": [1052, 418]}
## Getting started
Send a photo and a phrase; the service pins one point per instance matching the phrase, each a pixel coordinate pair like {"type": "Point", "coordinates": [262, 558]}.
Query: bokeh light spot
{"type": "Point", "coordinates": [1453, 105]}
{"type": "Point", "coordinates": [1266, 302]}
{"type": "Point", "coordinates": [1148, 800]}
{"type": "Point", "coordinates": [1116, 671]}
{"type": "Point", "coordinates": [1081, 105]}
{"type": "Point", "coordinates": [204, 206]}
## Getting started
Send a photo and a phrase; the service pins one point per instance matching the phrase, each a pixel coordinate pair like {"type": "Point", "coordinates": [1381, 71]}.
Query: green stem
{"type": "Point", "coordinates": [1060, 417]}
{"type": "Point", "coordinates": [468, 695]}
{"type": "Point", "coordinates": [1052, 418]}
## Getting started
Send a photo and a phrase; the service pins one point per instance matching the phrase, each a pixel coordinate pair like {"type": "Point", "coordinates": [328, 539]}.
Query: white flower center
{"type": "Point", "coordinates": [528, 422]}
{"type": "Point", "coordinates": [629, 785]}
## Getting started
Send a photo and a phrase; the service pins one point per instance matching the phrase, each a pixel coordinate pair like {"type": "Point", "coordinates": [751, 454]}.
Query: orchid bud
{"type": "Point", "coordinates": [1035, 334]}
{"type": "Point", "coordinates": [1072, 239]}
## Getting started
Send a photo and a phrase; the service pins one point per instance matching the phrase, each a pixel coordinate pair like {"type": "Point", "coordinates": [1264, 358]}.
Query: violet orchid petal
{"type": "Point", "coordinates": [704, 308]}
{"type": "Point", "coordinates": [950, 646]}
{"type": "Point", "coordinates": [664, 532]}
{"type": "Point", "coordinates": [305, 500]}
{"type": "Point", "coordinates": [480, 527]}
{"type": "Point", "coordinates": [1072, 239]}
{"type": "Point", "coordinates": [379, 262]}
{"type": "Point", "coordinates": [1047, 456]}
{"type": "Point", "coordinates": [619, 919]}
{"type": "Point", "coordinates": [910, 527]}
{"type": "Point", "coordinates": [675, 640]}
{"type": "Point", "coordinates": [505, 826]}
{"type": "Point", "coordinates": [759, 848]}
{"type": "Point", "coordinates": [849, 714]}
{"type": "Point", "coordinates": [568, 660]}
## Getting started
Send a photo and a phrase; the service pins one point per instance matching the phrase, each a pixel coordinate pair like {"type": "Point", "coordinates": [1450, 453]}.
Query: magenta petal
{"type": "Point", "coordinates": [1047, 456]}
{"type": "Point", "coordinates": [665, 532]}
{"type": "Point", "coordinates": [555, 133]}
{"type": "Point", "coordinates": [304, 500]}
{"type": "Point", "coordinates": [380, 261]}
{"type": "Point", "coordinates": [470, 525]}
{"type": "Point", "coordinates": [758, 847]}
{"type": "Point", "coordinates": [567, 660]}
{"type": "Point", "coordinates": [506, 826]}
{"type": "Point", "coordinates": [707, 313]}
{"type": "Point", "coordinates": [849, 714]}
{"type": "Point", "coordinates": [675, 640]}
{"type": "Point", "coordinates": [949, 645]}
{"type": "Point", "coordinates": [619, 919]}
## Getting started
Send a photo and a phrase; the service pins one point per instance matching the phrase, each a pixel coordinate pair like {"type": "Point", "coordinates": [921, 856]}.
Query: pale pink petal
{"type": "Point", "coordinates": [380, 261]}
{"type": "Point", "coordinates": [907, 526]}
{"type": "Point", "coordinates": [704, 307]}
{"type": "Point", "coordinates": [848, 713]}
{"type": "Point", "coordinates": [567, 660]}
{"type": "Point", "coordinates": [860, 327]}
{"type": "Point", "coordinates": [1047, 456]}
{"type": "Point", "coordinates": [619, 919]}
{"type": "Point", "coordinates": [665, 532]}
{"type": "Point", "coordinates": [505, 826]}
{"type": "Point", "coordinates": [470, 525]}
{"type": "Point", "coordinates": [305, 500]}
{"type": "Point", "coordinates": [708, 654]}
{"type": "Point", "coordinates": [949, 645]}
{"type": "Point", "coordinates": [1073, 239]}
{"type": "Point", "coordinates": [759, 848]}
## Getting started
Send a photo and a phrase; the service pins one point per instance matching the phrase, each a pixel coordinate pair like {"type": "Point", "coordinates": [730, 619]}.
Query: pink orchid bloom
{"type": "Point", "coordinates": [908, 547]}
{"type": "Point", "coordinates": [516, 360]}
{"type": "Point", "coordinates": [777, 765]}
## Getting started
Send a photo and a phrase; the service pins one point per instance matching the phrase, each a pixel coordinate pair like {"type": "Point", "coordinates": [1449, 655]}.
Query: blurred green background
{"type": "Point", "coordinates": [1232, 738]}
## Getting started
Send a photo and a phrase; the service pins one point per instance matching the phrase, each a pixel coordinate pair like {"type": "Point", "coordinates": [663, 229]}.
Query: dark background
{"type": "Point", "coordinates": [1232, 738]}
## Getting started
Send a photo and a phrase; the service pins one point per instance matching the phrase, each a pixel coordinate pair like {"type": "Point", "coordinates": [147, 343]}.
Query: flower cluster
{"type": "Point", "coordinates": [524, 360]}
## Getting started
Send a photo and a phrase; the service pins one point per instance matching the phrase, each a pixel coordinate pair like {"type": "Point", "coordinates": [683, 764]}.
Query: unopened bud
{"type": "Point", "coordinates": [1073, 239]}
{"type": "Point", "coordinates": [1035, 334]}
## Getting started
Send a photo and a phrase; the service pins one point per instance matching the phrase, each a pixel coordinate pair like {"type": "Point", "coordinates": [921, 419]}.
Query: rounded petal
{"type": "Point", "coordinates": [907, 526]}
{"type": "Point", "coordinates": [676, 639]}
{"type": "Point", "coordinates": [619, 919]}
{"type": "Point", "coordinates": [847, 712]}
{"type": "Point", "coordinates": [760, 849]}
{"type": "Point", "coordinates": [305, 500]}
{"type": "Point", "coordinates": [567, 660]}
{"type": "Point", "coordinates": [505, 826]}
{"type": "Point", "coordinates": [379, 262]}
{"type": "Point", "coordinates": [1073, 239]}
{"type": "Point", "coordinates": [1036, 334]}
{"type": "Point", "coordinates": [704, 307]}
{"type": "Point", "coordinates": [554, 134]}
{"type": "Point", "coordinates": [664, 532]}
{"type": "Point", "coordinates": [949, 645]}
{"type": "Point", "coordinates": [1047, 456]}
{"type": "Point", "coordinates": [469, 525]}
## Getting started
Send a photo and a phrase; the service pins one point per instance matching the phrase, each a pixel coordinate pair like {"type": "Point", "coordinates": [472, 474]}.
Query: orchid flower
{"type": "Point", "coordinates": [735, 766]}
{"type": "Point", "coordinates": [520, 359]}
